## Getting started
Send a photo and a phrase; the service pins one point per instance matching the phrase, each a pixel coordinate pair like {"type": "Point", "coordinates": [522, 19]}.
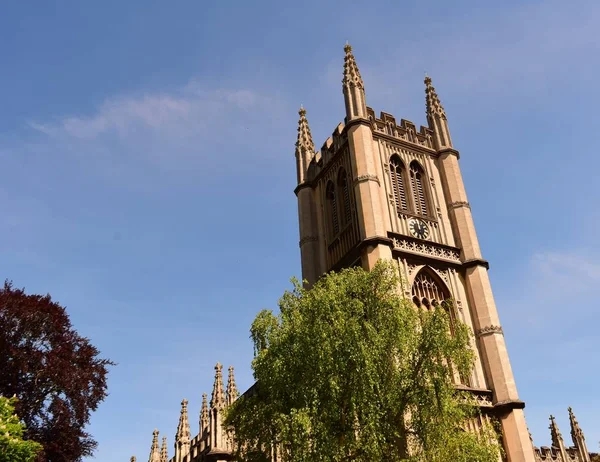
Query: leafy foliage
{"type": "Point", "coordinates": [351, 371]}
{"type": "Point", "coordinates": [53, 371]}
{"type": "Point", "coordinates": [12, 446]}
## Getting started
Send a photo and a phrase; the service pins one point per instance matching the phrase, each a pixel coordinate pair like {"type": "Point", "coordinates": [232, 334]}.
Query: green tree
{"type": "Point", "coordinates": [12, 446]}
{"type": "Point", "coordinates": [352, 371]}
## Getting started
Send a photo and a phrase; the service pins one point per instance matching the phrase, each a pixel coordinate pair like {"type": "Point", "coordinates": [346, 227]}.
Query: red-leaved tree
{"type": "Point", "coordinates": [55, 373]}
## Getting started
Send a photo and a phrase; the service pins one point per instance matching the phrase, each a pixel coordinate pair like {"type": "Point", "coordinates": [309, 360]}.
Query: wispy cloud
{"type": "Point", "coordinates": [192, 110]}
{"type": "Point", "coordinates": [555, 282]}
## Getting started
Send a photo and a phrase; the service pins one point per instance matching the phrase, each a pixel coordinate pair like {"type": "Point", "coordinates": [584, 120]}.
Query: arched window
{"type": "Point", "coordinates": [332, 209]}
{"type": "Point", "coordinates": [417, 182]}
{"type": "Point", "coordinates": [397, 173]}
{"type": "Point", "coordinates": [346, 206]}
{"type": "Point", "coordinates": [428, 290]}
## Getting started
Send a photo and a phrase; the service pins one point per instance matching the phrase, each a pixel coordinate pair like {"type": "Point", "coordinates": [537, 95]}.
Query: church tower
{"type": "Point", "coordinates": [379, 189]}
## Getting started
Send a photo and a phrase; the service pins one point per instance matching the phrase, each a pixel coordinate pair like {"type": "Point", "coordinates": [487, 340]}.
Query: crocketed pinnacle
{"type": "Point", "coordinates": [557, 439]}
{"type": "Point", "coordinates": [232, 392]}
{"type": "Point", "coordinates": [164, 452]}
{"type": "Point", "coordinates": [183, 429]}
{"type": "Point", "coordinates": [352, 76]}
{"type": "Point", "coordinates": [204, 413]}
{"type": "Point", "coordinates": [434, 107]}
{"type": "Point", "coordinates": [132, 459]}
{"type": "Point", "coordinates": [154, 451]}
{"type": "Point", "coordinates": [217, 400]}
{"type": "Point", "coordinates": [305, 141]}
{"type": "Point", "coordinates": [576, 431]}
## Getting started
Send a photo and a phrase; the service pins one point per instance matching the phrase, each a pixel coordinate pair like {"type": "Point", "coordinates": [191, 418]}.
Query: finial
{"type": "Point", "coordinates": [347, 47]}
{"type": "Point", "coordinates": [302, 111]}
{"type": "Point", "coordinates": [232, 392]}
{"type": "Point", "coordinates": [132, 459]}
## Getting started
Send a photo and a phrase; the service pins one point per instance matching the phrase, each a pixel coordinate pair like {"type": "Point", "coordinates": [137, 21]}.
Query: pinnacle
{"type": "Point", "coordinates": [232, 392]}
{"type": "Point", "coordinates": [183, 429]}
{"type": "Point", "coordinates": [305, 141]}
{"type": "Point", "coordinates": [218, 396]}
{"type": "Point", "coordinates": [204, 412]}
{"type": "Point", "coordinates": [154, 451]}
{"type": "Point", "coordinates": [434, 106]}
{"type": "Point", "coordinates": [164, 452]}
{"type": "Point", "coordinates": [352, 75]}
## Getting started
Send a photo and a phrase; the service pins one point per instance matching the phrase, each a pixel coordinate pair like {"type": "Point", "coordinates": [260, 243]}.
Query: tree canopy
{"type": "Point", "coordinates": [12, 446]}
{"type": "Point", "coordinates": [350, 370]}
{"type": "Point", "coordinates": [55, 373]}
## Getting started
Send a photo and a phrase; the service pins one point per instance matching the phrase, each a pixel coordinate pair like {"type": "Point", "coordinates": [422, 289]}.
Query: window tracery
{"type": "Point", "coordinates": [427, 290]}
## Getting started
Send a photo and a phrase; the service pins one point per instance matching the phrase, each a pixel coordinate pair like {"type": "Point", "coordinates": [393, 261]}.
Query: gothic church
{"type": "Point", "coordinates": [379, 189]}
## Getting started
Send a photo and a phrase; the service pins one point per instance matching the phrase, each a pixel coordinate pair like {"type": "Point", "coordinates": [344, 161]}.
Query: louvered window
{"type": "Point", "coordinates": [332, 207]}
{"type": "Point", "coordinates": [397, 177]}
{"type": "Point", "coordinates": [417, 176]}
{"type": "Point", "coordinates": [344, 187]}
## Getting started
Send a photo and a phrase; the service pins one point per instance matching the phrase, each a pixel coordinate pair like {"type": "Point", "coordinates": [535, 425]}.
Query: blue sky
{"type": "Point", "coordinates": [148, 169]}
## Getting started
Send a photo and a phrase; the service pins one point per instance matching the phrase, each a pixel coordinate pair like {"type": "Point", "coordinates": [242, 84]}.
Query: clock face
{"type": "Point", "coordinates": [418, 228]}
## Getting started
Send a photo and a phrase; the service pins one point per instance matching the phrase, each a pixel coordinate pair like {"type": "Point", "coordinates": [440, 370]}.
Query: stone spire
{"type": "Point", "coordinates": [351, 73]}
{"type": "Point", "coordinates": [217, 405]}
{"type": "Point", "coordinates": [578, 438]}
{"type": "Point", "coordinates": [305, 148]}
{"type": "Point", "coordinates": [154, 452]}
{"type": "Point", "coordinates": [217, 400]}
{"type": "Point", "coordinates": [232, 391]}
{"type": "Point", "coordinates": [204, 415]}
{"type": "Point", "coordinates": [182, 437]}
{"type": "Point", "coordinates": [557, 439]}
{"type": "Point", "coordinates": [353, 88]}
{"type": "Point", "coordinates": [164, 452]}
{"type": "Point", "coordinates": [436, 116]}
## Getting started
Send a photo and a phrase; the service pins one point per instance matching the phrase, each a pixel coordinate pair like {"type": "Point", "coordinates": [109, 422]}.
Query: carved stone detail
{"type": "Point", "coordinates": [306, 239]}
{"type": "Point", "coordinates": [455, 205]}
{"type": "Point", "coordinates": [488, 330]}
{"type": "Point", "coordinates": [431, 250]}
{"type": "Point", "coordinates": [442, 274]}
{"type": "Point", "coordinates": [362, 178]}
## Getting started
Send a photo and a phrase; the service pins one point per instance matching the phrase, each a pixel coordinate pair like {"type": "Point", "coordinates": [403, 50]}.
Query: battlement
{"type": "Point", "coordinates": [384, 125]}
{"type": "Point", "coordinates": [546, 453]}
{"type": "Point", "coordinates": [406, 131]}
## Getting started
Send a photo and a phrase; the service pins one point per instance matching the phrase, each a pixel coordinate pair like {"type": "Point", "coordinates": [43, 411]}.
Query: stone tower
{"type": "Point", "coordinates": [379, 189]}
